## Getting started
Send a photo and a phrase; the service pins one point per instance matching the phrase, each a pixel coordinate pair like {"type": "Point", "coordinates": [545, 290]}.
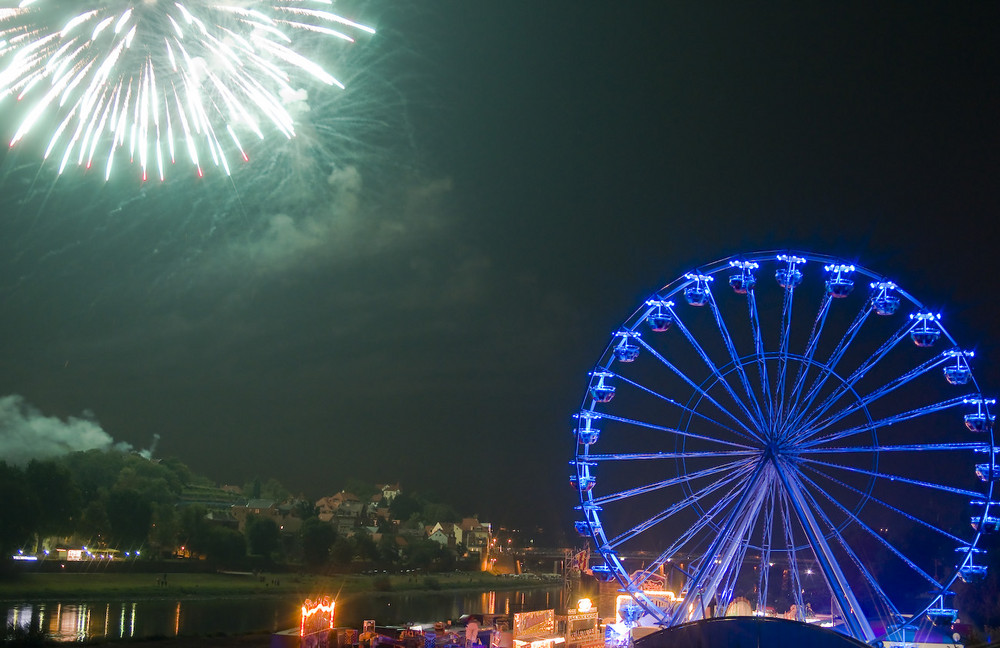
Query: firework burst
{"type": "Point", "coordinates": [149, 80]}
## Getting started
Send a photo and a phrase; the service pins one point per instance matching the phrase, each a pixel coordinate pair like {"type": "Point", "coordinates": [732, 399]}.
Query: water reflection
{"type": "Point", "coordinates": [85, 621]}
{"type": "Point", "coordinates": [73, 622]}
{"type": "Point", "coordinates": [65, 622]}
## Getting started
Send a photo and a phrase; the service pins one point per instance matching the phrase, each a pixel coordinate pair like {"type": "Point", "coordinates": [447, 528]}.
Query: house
{"type": "Point", "coordinates": [223, 518]}
{"type": "Point", "coordinates": [444, 533]}
{"type": "Point", "coordinates": [342, 504]}
{"type": "Point", "coordinates": [475, 535]}
{"type": "Point", "coordinates": [267, 508]}
{"type": "Point", "coordinates": [389, 491]}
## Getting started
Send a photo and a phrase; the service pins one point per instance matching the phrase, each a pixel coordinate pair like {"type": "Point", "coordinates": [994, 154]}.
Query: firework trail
{"type": "Point", "coordinates": [151, 80]}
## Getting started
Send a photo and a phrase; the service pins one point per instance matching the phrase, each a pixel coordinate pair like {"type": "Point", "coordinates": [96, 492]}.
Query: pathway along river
{"type": "Point", "coordinates": [70, 620]}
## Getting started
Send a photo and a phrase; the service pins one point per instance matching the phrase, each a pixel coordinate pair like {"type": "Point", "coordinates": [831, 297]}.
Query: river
{"type": "Point", "coordinates": [69, 620]}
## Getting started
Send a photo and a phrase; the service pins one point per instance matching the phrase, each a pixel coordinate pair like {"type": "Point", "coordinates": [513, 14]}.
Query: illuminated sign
{"type": "Point", "coordinates": [74, 554]}
{"type": "Point", "coordinates": [549, 642]}
{"type": "Point", "coordinates": [582, 625]}
{"type": "Point", "coordinates": [317, 616]}
{"type": "Point", "coordinates": [534, 624]}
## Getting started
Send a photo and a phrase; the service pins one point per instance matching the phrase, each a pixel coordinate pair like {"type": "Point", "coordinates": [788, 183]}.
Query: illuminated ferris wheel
{"type": "Point", "coordinates": [787, 434]}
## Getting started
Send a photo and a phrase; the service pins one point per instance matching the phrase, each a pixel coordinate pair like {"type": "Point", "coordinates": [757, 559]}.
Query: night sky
{"type": "Point", "coordinates": [416, 286]}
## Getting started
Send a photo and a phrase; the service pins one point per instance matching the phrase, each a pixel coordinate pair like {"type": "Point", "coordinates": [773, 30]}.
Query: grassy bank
{"type": "Point", "coordinates": [39, 586]}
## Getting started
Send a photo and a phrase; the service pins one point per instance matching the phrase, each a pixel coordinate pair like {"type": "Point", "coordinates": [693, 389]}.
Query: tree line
{"type": "Point", "coordinates": [126, 502]}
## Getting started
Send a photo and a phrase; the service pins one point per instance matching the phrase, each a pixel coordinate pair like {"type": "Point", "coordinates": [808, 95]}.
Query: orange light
{"type": "Point", "coordinates": [323, 607]}
{"type": "Point", "coordinates": [584, 605]}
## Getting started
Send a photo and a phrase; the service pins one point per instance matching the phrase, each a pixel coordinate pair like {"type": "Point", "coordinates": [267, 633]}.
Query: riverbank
{"type": "Point", "coordinates": [97, 585]}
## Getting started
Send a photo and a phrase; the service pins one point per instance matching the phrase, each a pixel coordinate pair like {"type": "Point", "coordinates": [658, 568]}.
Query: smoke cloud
{"type": "Point", "coordinates": [26, 433]}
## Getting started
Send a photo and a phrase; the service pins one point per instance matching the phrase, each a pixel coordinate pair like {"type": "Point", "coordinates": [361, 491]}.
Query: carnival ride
{"type": "Point", "coordinates": [794, 430]}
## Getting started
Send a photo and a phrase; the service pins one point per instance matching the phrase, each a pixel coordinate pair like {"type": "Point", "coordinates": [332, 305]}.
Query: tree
{"type": "Point", "coordinates": [273, 489]}
{"type": "Point", "coordinates": [130, 516]}
{"type": "Point", "coordinates": [193, 528]}
{"type": "Point", "coordinates": [263, 535]}
{"type": "Point", "coordinates": [364, 490]}
{"type": "Point", "coordinates": [364, 546]}
{"type": "Point", "coordinates": [388, 552]}
{"type": "Point", "coordinates": [166, 527]}
{"type": "Point", "coordinates": [253, 488]}
{"type": "Point", "coordinates": [156, 483]}
{"type": "Point", "coordinates": [304, 509]}
{"type": "Point", "coordinates": [342, 551]}
{"type": "Point", "coordinates": [225, 547]}
{"type": "Point", "coordinates": [55, 495]}
{"type": "Point", "coordinates": [183, 473]}
{"type": "Point", "coordinates": [94, 520]}
{"type": "Point", "coordinates": [423, 553]}
{"type": "Point", "coordinates": [404, 506]}
{"type": "Point", "coordinates": [437, 512]}
{"type": "Point", "coordinates": [317, 539]}
{"type": "Point", "coordinates": [18, 515]}
{"type": "Point", "coordinates": [94, 471]}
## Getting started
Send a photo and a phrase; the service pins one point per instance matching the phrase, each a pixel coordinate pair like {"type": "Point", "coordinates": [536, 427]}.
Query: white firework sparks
{"type": "Point", "coordinates": [140, 79]}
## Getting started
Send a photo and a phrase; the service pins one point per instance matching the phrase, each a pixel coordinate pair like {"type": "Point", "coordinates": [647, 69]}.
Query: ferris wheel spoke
{"type": "Point", "coordinates": [814, 337]}
{"type": "Point", "coordinates": [885, 422]}
{"type": "Point", "coordinates": [872, 397]}
{"type": "Point", "coordinates": [804, 507]}
{"type": "Point", "coordinates": [793, 562]}
{"type": "Point", "coordinates": [736, 476]}
{"type": "Point", "coordinates": [786, 325]}
{"type": "Point", "coordinates": [831, 364]}
{"type": "Point", "coordinates": [856, 561]}
{"type": "Point", "coordinates": [641, 456]}
{"type": "Point", "coordinates": [666, 483]}
{"type": "Point", "coordinates": [923, 447]}
{"type": "Point", "coordinates": [721, 379]}
{"type": "Point", "coordinates": [848, 384]}
{"type": "Point", "coordinates": [886, 505]}
{"type": "Point", "coordinates": [662, 428]}
{"type": "Point", "coordinates": [749, 433]}
{"type": "Point", "coordinates": [695, 529]}
{"type": "Point", "coordinates": [725, 597]}
{"type": "Point", "coordinates": [895, 478]}
{"type": "Point", "coordinates": [758, 344]}
{"type": "Point", "coordinates": [870, 579]}
{"type": "Point", "coordinates": [719, 556]}
{"type": "Point", "coordinates": [764, 573]}
{"type": "Point", "coordinates": [731, 348]}
{"type": "Point", "coordinates": [680, 406]}
{"type": "Point", "coordinates": [870, 531]}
